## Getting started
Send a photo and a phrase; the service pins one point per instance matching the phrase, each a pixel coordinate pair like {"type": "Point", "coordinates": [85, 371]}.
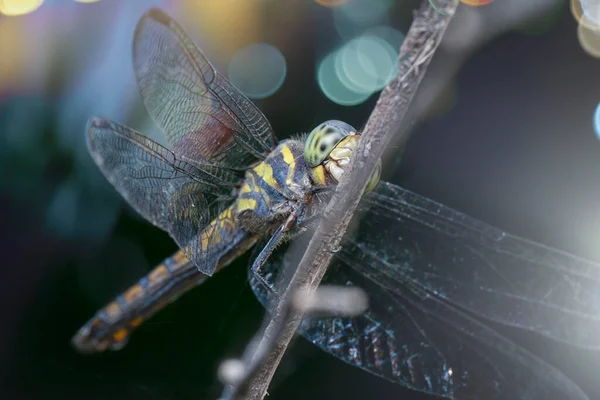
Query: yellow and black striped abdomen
{"type": "Point", "coordinates": [111, 326]}
{"type": "Point", "coordinates": [262, 203]}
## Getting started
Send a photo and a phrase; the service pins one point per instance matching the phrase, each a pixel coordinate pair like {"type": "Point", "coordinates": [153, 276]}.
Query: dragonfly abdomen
{"type": "Point", "coordinates": [111, 326]}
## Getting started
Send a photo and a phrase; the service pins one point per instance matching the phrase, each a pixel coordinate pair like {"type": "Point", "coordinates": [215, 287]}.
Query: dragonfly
{"type": "Point", "coordinates": [437, 279]}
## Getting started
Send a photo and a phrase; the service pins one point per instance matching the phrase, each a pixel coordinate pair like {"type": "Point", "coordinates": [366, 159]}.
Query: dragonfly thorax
{"type": "Point", "coordinates": [272, 190]}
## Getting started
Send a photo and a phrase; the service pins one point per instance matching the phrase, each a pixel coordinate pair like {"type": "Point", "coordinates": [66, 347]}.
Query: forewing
{"type": "Point", "coordinates": [448, 255]}
{"type": "Point", "coordinates": [177, 195]}
{"type": "Point", "coordinates": [435, 348]}
{"type": "Point", "coordinates": [201, 113]}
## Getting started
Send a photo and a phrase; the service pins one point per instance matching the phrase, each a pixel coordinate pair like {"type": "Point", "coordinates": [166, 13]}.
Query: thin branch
{"type": "Point", "coordinates": [425, 34]}
{"type": "Point", "coordinates": [327, 301]}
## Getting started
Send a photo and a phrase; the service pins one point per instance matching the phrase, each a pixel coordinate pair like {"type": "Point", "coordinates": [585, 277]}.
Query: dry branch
{"type": "Point", "coordinates": [429, 24]}
{"type": "Point", "coordinates": [326, 301]}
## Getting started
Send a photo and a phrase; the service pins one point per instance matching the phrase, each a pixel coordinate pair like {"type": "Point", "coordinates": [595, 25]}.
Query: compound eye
{"type": "Point", "coordinates": [321, 141]}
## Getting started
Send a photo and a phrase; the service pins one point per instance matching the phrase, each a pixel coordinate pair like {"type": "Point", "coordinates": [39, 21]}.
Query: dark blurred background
{"type": "Point", "coordinates": [505, 128]}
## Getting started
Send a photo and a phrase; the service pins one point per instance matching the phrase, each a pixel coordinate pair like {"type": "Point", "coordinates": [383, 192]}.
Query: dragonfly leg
{"type": "Point", "coordinates": [277, 237]}
{"type": "Point", "coordinates": [304, 221]}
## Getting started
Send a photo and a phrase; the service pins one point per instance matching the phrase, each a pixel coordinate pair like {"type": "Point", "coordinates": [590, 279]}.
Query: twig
{"type": "Point", "coordinates": [237, 375]}
{"type": "Point", "coordinates": [425, 34]}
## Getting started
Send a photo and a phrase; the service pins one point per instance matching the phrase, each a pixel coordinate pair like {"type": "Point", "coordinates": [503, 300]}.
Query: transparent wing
{"type": "Point", "coordinates": [422, 265]}
{"type": "Point", "coordinates": [179, 196]}
{"type": "Point", "coordinates": [443, 253]}
{"type": "Point", "coordinates": [436, 348]}
{"type": "Point", "coordinates": [201, 113]}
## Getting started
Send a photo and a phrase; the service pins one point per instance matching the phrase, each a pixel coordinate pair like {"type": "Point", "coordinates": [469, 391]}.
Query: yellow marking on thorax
{"type": "Point", "coordinates": [246, 204]}
{"type": "Point", "coordinates": [288, 156]}
{"type": "Point", "coordinates": [265, 171]}
{"type": "Point", "coordinates": [245, 188]}
{"type": "Point", "coordinates": [290, 160]}
{"type": "Point", "coordinates": [250, 185]}
{"type": "Point", "coordinates": [318, 175]}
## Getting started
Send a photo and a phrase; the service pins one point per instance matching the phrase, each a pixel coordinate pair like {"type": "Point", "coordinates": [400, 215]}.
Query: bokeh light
{"type": "Point", "coordinates": [589, 37]}
{"type": "Point", "coordinates": [472, 3]}
{"type": "Point", "coordinates": [257, 70]}
{"type": "Point", "coordinates": [331, 3]}
{"type": "Point", "coordinates": [366, 64]}
{"type": "Point", "coordinates": [591, 10]}
{"type": "Point", "coordinates": [476, 3]}
{"type": "Point", "coordinates": [331, 85]}
{"type": "Point", "coordinates": [390, 35]}
{"type": "Point", "coordinates": [232, 24]}
{"type": "Point", "coordinates": [361, 66]}
{"type": "Point", "coordinates": [87, 1]}
{"type": "Point", "coordinates": [597, 120]}
{"type": "Point", "coordinates": [586, 12]}
{"type": "Point", "coordinates": [19, 7]}
{"type": "Point", "coordinates": [14, 55]}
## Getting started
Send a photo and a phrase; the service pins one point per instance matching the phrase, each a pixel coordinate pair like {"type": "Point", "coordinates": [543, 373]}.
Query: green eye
{"type": "Point", "coordinates": [321, 141]}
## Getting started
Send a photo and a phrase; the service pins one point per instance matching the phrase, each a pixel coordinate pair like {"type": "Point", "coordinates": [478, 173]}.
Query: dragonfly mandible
{"type": "Point", "coordinates": [433, 275]}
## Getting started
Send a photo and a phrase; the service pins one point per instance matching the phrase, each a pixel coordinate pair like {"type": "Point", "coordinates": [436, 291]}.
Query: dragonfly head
{"type": "Point", "coordinates": [327, 152]}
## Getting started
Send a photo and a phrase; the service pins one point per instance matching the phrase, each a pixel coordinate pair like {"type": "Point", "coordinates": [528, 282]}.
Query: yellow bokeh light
{"type": "Point", "coordinates": [19, 7]}
{"type": "Point", "coordinates": [331, 3]}
{"type": "Point", "coordinates": [13, 57]}
{"type": "Point", "coordinates": [233, 23]}
{"type": "Point", "coordinates": [476, 3]}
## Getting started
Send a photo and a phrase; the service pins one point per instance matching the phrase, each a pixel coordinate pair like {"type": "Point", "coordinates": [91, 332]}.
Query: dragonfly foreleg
{"type": "Point", "coordinates": [277, 238]}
